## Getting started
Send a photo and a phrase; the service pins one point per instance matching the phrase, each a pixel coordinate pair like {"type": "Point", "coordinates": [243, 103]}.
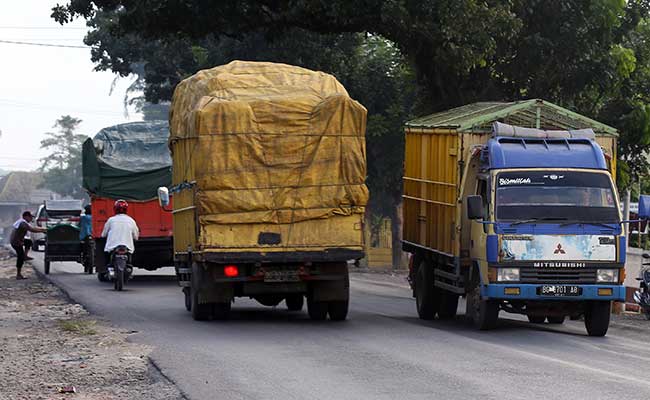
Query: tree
{"type": "Point", "coordinates": [62, 167]}
{"type": "Point", "coordinates": [590, 56]}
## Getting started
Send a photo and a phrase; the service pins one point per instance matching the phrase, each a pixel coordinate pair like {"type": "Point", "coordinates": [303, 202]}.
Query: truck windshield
{"type": "Point", "coordinates": [554, 195]}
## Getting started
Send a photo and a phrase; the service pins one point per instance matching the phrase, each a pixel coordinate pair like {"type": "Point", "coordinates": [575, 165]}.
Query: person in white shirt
{"type": "Point", "coordinates": [120, 229]}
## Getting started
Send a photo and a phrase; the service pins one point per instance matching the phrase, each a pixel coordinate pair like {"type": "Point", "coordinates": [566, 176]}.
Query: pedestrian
{"type": "Point", "coordinates": [85, 224]}
{"type": "Point", "coordinates": [17, 239]}
{"type": "Point", "coordinates": [86, 237]}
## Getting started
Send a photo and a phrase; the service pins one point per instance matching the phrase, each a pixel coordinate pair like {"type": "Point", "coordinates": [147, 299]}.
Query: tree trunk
{"type": "Point", "coordinates": [626, 215]}
{"type": "Point", "coordinates": [396, 235]}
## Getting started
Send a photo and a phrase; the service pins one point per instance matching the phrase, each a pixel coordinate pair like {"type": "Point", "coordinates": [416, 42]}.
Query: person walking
{"type": "Point", "coordinates": [17, 239]}
{"type": "Point", "coordinates": [85, 236]}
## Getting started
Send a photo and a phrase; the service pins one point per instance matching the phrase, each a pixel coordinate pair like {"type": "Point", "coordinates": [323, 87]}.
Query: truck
{"type": "Point", "coordinates": [130, 161]}
{"type": "Point", "coordinates": [269, 188]}
{"type": "Point", "coordinates": [513, 205]}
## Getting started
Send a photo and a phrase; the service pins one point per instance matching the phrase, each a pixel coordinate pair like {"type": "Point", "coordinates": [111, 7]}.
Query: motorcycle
{"type": "Point", "coordinates": [642, 296]}
{"type": "Point", "coordinates": [120, 269]}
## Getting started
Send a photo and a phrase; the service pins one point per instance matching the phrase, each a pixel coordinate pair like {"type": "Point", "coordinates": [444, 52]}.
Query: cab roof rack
{"type": "Point", "coordinates": [500, 129]}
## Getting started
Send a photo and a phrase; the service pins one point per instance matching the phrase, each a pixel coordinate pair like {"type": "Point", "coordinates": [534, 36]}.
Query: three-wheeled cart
{"type": "Point", "coordinates": [62, 238]}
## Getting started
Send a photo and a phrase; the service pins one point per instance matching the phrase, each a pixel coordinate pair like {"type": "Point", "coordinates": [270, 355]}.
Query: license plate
{"type": "Point", "coordinates": [281, 276]}
{"type": "Point", "coordinates": [559, 290]}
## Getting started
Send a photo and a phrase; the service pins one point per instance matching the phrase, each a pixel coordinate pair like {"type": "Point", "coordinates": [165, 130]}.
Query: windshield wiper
{"type": "Point", "coordinates": [603, 224]}
{"type": "Point", "coordinates": [527, 221]}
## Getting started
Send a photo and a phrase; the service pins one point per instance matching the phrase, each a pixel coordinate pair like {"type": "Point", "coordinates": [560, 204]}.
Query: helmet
{"type": "Point", "coordinates": [120, 206]}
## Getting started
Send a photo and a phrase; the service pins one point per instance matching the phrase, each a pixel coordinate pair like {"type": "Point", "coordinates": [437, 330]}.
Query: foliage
{"type": "Point", "coordinates": [62, 167]}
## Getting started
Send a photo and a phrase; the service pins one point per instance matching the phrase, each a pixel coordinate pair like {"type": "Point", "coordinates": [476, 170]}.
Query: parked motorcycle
{"type": "Point", "coordinates": [120, 269]}
{"type": "Point", "coordinates": [642, 296]}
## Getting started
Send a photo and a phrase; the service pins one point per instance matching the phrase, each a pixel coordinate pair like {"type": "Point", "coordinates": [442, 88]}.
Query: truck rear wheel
{"type": "Point", "coordinates": [338, 310]}
{"type": "Point", "coordinates": [46, 267]}
{"type": "Point", "coordinates": [188, 298]}
{"type": "Point", "coordinates": [295, 302]}
{"type": "Point", "coordinates": [200, 311]}
{"type": "Point", "coordinates": [426, 294]}
{"type": "Point", "coordinates": [221, 311]}
{"type": "Point", "coordinates": [597, 316]}
{"type": "Point", "coordinates": [536, 319]}
{"type": "Point", "coordinates": [448, 305]}
{"type": "Point", "coordinates": [317, 310]}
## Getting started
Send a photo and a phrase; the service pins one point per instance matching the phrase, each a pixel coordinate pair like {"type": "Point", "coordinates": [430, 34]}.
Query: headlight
{"type": "Point", "coordinates": [508, 274]}
{"type": "Point", "coordinates": [607, 275]}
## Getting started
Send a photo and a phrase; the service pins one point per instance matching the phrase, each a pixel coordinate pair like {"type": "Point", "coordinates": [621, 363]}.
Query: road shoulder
{"type": "Point", "coordinates": [52, 345]}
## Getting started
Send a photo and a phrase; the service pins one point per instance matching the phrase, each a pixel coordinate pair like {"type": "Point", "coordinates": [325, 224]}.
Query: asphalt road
{"type": "Point", "coordinates": [382, 352]}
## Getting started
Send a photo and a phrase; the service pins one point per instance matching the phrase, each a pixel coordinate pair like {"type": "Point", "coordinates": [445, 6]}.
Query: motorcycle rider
{"type": "Point", "coordinates": [120, 230]}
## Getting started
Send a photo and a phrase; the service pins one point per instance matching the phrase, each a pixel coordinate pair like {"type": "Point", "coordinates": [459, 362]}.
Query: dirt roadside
{"type": "Point", "coordinates": [49, 344]}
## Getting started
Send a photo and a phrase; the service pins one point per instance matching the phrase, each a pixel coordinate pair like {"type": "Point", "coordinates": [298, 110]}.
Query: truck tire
{"type": "Point", "coordinates": [295, 302]}
{"type": "Point", "coordinates": [221, 311]}
{"type": "Point", "coordinates": [338, 310]}
{"type": "Point", "coordinates": [426, 294]}
{"type": "Point", "coordinates": [317, 310]}
{"type": "Point", "coordinates": [200, 311]}
{"type": "Point", "coordinates": [46, 267]}
{"type": "Point", "coordinates": [556, 320]}
{"type": "Point", "coordinates": [188, 298]}
{"type": "Point", "coordinates": [448, 305]}
{"type": "Point", "coordinates": [536, 319]}
{"type": "Point", "coordinates": [484, 313]}
{"type": "Point", "coordinates": [597, 316]}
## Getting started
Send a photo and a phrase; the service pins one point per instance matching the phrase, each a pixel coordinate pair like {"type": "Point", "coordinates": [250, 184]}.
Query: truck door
{"type": "Point", "coordinates": [479, 230]}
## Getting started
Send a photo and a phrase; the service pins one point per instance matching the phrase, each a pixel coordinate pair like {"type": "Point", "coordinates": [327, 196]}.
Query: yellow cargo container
{"type": "Point", "coordinates": [269, 166]}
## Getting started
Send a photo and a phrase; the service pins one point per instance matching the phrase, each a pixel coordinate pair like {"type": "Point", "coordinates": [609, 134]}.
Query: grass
{"type": "Point", "coordinates": [78, 326]}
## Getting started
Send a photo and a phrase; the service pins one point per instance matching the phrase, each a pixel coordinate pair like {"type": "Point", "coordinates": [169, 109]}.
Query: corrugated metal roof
{"type": "Point", "coordinates": [534, 113]}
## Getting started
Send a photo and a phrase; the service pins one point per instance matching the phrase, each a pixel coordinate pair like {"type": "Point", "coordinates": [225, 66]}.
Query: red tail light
{"type": "Point", "coordinates": [74, 219]}
{"type": "Point", "coordinates": [41, 221]}
{"type": "Point", "coordinates": [231, 271]}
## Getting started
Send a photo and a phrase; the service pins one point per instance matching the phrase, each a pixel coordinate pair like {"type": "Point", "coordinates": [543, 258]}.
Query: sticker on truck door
{"type": "Point", "coordinates": [558, 247]}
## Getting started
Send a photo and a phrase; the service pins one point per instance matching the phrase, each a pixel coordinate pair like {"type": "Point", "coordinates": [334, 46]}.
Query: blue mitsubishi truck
{"type": "Point", "coordinates": [519, 220]}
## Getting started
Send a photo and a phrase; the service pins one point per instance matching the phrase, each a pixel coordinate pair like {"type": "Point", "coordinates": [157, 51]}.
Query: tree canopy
{"type": "Point", "coordinates": [62, 167]}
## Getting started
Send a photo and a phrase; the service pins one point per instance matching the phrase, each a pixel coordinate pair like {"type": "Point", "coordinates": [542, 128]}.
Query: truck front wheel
{"type": "Point", "coordinates": [426, 294]}
{"type": "Point", "coordinates": [484, 313]}
{"type": "Point", "coordinates": [597, 317]}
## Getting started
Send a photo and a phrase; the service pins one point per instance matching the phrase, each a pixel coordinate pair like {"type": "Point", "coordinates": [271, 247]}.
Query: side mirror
{"type": "Point", "coordinates": [475, 207]}
{"type": "Point", "coordinates": [644, 206]}
{"type": "Point", "coordinates": [163, 196]}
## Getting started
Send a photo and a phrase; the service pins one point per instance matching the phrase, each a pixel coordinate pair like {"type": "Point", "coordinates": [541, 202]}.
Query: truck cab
{"type": "Point", "coordinates": [544, 235]}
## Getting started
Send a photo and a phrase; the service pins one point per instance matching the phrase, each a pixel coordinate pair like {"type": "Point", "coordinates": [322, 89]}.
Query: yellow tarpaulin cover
{"type": "Point", "coordinates": [268, 144]}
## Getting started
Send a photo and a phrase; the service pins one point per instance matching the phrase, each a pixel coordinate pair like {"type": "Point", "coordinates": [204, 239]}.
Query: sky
{"type": "Point", "coordinates": [39, 84]}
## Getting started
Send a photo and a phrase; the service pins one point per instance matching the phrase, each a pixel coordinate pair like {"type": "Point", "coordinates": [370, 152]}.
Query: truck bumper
{"type": "Point", "coordinates": [529, 292]}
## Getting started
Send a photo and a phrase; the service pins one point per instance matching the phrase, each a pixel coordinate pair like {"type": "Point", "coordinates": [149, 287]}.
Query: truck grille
{"type": "Point", "coordinates": [557, 275]}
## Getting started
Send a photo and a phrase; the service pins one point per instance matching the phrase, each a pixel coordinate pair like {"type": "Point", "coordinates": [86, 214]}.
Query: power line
{"type": "Point", "coordinates": [72, 109]}
{"type": "Point", "coordinates": [43, 27]}
{"type": "Point", "coordinates": [44, 44]}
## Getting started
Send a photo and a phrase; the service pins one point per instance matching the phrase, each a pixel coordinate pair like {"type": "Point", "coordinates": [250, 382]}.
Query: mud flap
{"type": "Point", "coordinates": [208, 290]}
